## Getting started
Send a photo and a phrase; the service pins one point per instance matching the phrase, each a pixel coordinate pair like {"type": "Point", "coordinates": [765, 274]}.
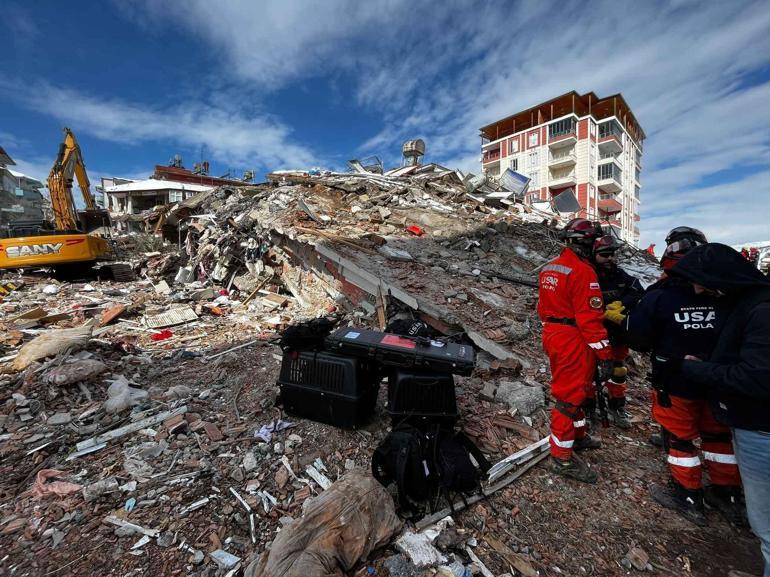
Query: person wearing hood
{"type": "Point", "coordinates": [671, 320]}
{"type": "Point", "coordinates": [737, 372]}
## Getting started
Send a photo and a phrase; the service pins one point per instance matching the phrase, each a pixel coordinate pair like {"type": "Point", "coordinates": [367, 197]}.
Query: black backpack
{"type": "Point", "coordinates": [402, 458]}
{"type": "Point", "coordinates": [307, 336]}
{"type": "Point", "coordinates": [425, 465]}
{"type": "Point", "coordinates": [452, 462]}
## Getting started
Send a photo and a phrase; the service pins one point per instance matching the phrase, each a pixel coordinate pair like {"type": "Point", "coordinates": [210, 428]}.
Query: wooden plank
{"type": "Point", "coordinates": [517, 561]}
{"type": "Point", "coordinates": [460, 505]}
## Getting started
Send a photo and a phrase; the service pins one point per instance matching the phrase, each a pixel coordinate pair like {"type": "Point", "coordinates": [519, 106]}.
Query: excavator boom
{"type": "Point", "coordinates": [69, 243]}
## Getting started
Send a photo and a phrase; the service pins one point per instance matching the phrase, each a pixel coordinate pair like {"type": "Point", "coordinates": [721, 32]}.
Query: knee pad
{"type": "Point", "coordinates": [671, 441]}
{"type": "Point", "coordinates": [724, 437]}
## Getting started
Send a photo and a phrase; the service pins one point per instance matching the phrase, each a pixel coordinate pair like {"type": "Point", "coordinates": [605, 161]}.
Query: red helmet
{"type": "Point", "coordinates": [581, 229]}
{"type": "Point", "coordinates": [606, 244]}
{"type": "Point", "coordinates": [580, 234]}
{"type": "Point", "coordinates": [676, 250]}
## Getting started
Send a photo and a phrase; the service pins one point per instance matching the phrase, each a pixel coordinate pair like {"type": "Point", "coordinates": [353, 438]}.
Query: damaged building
{"type": "Point", "coordinates": [20, 195]}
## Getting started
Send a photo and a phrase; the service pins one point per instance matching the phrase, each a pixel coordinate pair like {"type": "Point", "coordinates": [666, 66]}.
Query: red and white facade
{"type": "Point", "coordinates": [580, 142]}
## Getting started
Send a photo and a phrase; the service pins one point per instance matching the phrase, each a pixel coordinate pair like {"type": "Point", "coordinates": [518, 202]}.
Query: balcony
{"type": "Point", "coordinates": [490, 156]}
{"type": "Point", "coordinates": [562, 158]}
{"type": "Point", "coordinates": [562, 133]}
{"type": "Point", "coordinates": [489, 145]}
{"type": "Point", "coordinates": [561, 178]}
{"type": "Point", "coordinates": [610, 137]}
{"type": "Point", "coordinates": [609, 204]}
{"type": "Point", "coordinates": [609, 177]}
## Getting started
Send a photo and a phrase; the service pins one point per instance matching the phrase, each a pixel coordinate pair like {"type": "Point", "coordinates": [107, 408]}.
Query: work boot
{"type": "Point", "coordinates": [656, 440]}
{"type": "Point", "coordinates": [686, 502]}
{"type": "Point", "coordinates": [574, 468]}
{"type": "Point", "coordinates": [587, 442]}
{"type": "Point", "coordinates": [619, 417]}
{"type": "Point", "coordinates": [727, 500]}
{"type": "Point", "coordinates": [593, 422]}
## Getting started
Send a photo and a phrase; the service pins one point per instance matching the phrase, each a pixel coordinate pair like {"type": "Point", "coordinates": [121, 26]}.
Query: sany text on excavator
{"type": "Point", "coordinates": [72, 241]}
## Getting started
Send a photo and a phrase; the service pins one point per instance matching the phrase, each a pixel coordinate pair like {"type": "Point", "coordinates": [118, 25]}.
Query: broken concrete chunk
{"type": "Point", "coordinates": [638, 559]}
{"type": "Point", "coordinates": [224, 559]}
{"type": "Point", "coordinates": [70, 373]}
{"type": "Point", "coordinates": [59, 419]}
{"type": "Point", "coordinates": [524, 399]}
{"type": "Point", "coordinates": [95, 490]}
{"type": "Point", "coordinates": [420, 550]}
{"type": "Point", "coordinates": [395, 253]}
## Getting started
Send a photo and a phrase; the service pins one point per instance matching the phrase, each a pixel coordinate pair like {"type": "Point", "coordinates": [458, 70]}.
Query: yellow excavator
{"type": "Point", "coordinates": [72, 242]}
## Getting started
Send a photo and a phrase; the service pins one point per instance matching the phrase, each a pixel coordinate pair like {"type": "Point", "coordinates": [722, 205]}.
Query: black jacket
{"type": "Point", "coordinates": [738, 370]}
{"type": "Point", "coordinates": [617, 285]}
{"type": "Point", "coordinates": [672, 321]}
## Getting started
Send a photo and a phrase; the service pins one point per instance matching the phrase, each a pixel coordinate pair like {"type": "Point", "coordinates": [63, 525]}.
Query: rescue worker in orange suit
{"type": "Point", "coordinates": [620, 290]}
{"type": "Point", "coordinates": [574, 338]}
{"type": "Point", "coordinates": [672, 321]}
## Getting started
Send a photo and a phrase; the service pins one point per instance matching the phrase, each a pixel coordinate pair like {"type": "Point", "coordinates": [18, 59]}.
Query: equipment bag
{"type": "Point", "coordinates": [426, 464]}
{"type": "Point", "coordinates": [454, 468]}
{"type": "Point", "coordinates": [307, 336]}
{"type": "Point", "coordinates": [402, 457]}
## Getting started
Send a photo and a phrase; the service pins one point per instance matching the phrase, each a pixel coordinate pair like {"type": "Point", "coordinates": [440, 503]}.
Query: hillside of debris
{"type": "Point", "coordinates": [140, 433]}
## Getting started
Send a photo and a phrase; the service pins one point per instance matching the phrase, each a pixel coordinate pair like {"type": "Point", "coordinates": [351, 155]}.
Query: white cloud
{"type": "Point", "coordinates": [231, 136]}
{"type": "Point", "coordinates": [686, 68]}
{"type": "Point", "coordinates": [695, 74]}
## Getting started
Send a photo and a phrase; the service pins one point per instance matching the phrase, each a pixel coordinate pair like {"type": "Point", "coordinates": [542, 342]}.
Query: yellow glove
{"type": "Point", "coordinates": [614, 312]}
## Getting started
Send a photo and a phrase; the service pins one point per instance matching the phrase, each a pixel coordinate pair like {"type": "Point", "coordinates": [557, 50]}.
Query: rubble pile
{"type": "Point", "coordinates": [143, 415]}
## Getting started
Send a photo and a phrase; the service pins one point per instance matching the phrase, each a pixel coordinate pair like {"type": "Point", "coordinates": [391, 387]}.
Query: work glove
{"type": "Point", "coordinates": [604, 370]}
{"type": "Point", "coordinates": [614, 312]}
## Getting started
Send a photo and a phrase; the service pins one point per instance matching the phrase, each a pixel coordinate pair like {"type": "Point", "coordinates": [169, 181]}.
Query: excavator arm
{"type": "Point", "coordinates": [69, 163]}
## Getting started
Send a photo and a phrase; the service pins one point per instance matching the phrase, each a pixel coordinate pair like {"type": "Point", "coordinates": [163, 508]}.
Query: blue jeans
{"type": "Point", "coordinates": [752, 451]}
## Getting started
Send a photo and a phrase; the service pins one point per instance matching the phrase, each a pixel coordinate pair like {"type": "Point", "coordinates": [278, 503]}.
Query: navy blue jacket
{"type": "Point", "coordinates": [672, 321]}
{"type": "Point", "coordinates": [737, 373]}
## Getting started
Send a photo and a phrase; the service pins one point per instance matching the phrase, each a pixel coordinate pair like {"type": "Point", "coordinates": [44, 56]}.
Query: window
{"type": "Point", "coordinates": [609, 171]}
{"type": "Point", "coordinates": [561, 127]}
{"type": "Point", "coordinates": [593, 127]}
{"type": "Point", "coordinates": [513, 146]}
{"type": "Point", "coordinates": [534, 139]}
{"type": "Point", "coordinates": [514, 164]}
{"type": "Point", "coordinates": [19, 191]}
{"type": "Point", "coordinates": [533, 180]}
{"type": "Point", "coordinates": [534, 161]}
{"type": "Point", "coordinates": [610, 128]}
{"type": "Point", "coordinates": [175, 196]}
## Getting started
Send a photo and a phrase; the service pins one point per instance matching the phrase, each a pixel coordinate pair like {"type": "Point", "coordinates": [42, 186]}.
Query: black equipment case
{"type": "Point", "coordinates": [398, 351]}
{"type": "Point", "coordinates": [329, 388]}
{"type": "Point", "coordinates": [418, 396]}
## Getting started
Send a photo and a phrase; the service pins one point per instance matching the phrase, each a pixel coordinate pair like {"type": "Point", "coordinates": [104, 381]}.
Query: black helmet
{"type": "Point", "coordinates": [580, 235]}
{"type": "Point", "coordinates": [686, 233]}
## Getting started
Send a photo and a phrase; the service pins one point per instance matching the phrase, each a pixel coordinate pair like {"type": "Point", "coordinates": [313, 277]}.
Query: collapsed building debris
{"type": "Point", "coordinates": [194, 470]}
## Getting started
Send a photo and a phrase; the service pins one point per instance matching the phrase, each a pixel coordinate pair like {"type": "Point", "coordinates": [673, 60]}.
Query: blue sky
{"type": "Point", "coordinates": [295, 84]}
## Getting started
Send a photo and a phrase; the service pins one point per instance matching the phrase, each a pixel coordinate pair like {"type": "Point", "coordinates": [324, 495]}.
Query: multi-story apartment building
{"type": "Point", "coordinates": [590, 145]}
{"type": "Point", "coordinates": [20, 196]}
